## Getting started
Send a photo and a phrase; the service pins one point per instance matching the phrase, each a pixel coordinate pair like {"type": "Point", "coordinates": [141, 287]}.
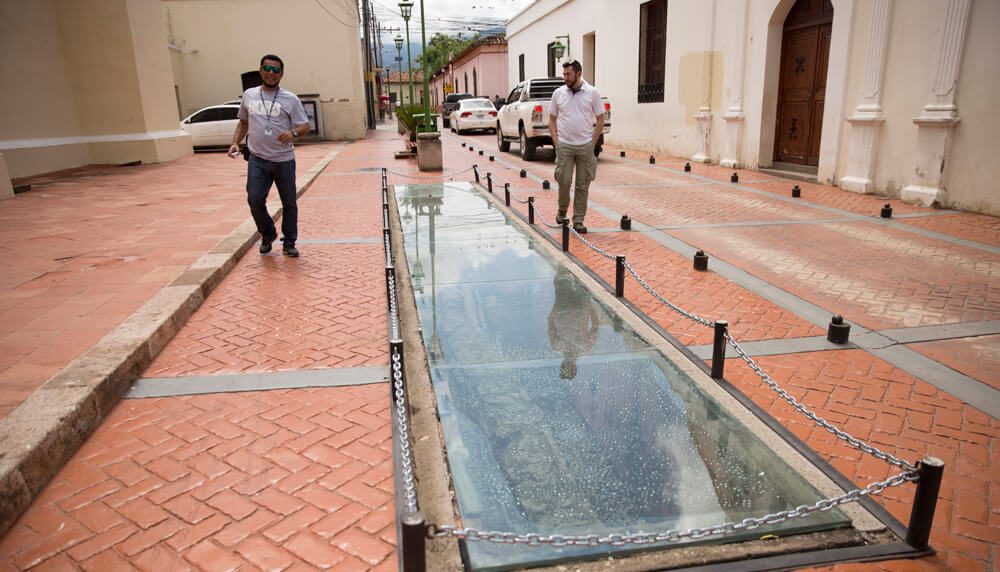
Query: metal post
{"type": "Point", "coordinates": [506, 194]}
{"type": "Point", "coordinates": [531, 210]}
{"type": "Point", "coordinates": [925, 499]}
{"type": "Point", "coordinates": [414, 542]}
{"type": "Point", "coordinates": [719, 348]}
{"type": "Point", "coordinates": [489, 182]}
{"type": "Point", "coordinates": [565, 231]}
{"type": "Point", "coordinates": [619, 276]}
{"type": "Point", "coordinates": [475, 170]}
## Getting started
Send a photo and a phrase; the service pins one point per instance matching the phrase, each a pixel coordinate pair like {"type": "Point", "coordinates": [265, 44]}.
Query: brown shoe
{"type": "Point", "coordinates": [578, 227]}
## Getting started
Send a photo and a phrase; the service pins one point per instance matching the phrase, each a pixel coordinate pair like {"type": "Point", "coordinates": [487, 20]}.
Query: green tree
{"type": "Point", "coordinates": [440, 48]}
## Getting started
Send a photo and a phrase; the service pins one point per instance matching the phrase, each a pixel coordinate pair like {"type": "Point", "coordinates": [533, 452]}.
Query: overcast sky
{"type": "Point", "coordinates": [449, 16]}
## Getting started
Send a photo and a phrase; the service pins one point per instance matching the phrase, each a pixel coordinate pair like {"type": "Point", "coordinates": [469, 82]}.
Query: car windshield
{"type": "Point", "coordinates": [476, 104]}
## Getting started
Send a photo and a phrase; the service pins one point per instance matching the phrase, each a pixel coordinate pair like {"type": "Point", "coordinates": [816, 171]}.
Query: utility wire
{"type": "Point", "coordinates": [320, 4]}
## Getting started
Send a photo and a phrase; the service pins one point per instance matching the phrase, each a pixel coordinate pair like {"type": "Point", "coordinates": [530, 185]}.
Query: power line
{"type": "Point", "coordinates": [320, 4]}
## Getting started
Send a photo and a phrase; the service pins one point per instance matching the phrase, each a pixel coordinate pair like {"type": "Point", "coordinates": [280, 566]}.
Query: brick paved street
{"type": "Point", "coordinates": [203, 478]}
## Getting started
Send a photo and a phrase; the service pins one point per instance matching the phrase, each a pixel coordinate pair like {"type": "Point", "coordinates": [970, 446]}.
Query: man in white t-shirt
{"type": "Point", "coordinates": [576, 121]}
{"type": "Point", "coordinates": [273, 117]}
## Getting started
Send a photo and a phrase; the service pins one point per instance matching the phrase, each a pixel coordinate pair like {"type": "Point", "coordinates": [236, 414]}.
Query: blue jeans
{"type": "Point", "coordinates": [260, 174]}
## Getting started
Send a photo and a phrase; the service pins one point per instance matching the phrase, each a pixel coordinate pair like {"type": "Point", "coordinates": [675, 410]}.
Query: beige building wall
{"type": "Point", "coordinates": [92, 85]}
{"type": "Point", "coordinates": [214, 41]}
{"type": "Point", "coordinates": [721, 87]}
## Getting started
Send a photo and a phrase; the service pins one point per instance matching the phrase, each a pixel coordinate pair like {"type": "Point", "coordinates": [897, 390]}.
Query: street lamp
{"type": "Point", "coordinates": [558, 49]}
{"type": "Point", "coordinates": [399, 59]}
{"type": "Point", "coordinates": [427, 102]}
{"type": "Point", "coordinates": [406, 9]}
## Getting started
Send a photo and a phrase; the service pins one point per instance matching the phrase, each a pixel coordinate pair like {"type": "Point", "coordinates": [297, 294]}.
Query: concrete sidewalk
{"type": "Point", "coordinates": [259, 437]}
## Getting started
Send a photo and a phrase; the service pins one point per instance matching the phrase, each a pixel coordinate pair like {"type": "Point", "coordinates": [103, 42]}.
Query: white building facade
{"type": "Point", "coordinates": [876, 96]}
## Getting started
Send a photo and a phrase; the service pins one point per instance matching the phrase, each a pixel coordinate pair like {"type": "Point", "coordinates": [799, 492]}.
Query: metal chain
{"type": "Point", "coordinates": [840, 434]}
{"type": "Point", "coordinates": [393, 309]}
{"type": "Point", "coordinates": [536, 539]}
{"type": "Point", "coordinates": [429, 177]}
{"type": "Point", "coordinates": [674, 307]}
{"type": "Point", "coordinates": [406, 455]}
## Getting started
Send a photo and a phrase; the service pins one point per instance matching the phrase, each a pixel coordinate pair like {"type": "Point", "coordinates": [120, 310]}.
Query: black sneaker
{"type": "Point", "coordinates": [579, 228]}
{"type": "Point", "coordinates": [561, 219]}
{"type": "Point", "coordinates": [265, 244]}
{"type": "Point", "coordinates": [289, 250]}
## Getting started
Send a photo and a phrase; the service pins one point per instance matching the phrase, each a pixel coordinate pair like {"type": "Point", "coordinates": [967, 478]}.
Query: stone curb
{"type": "Point", "coordinates": [41, 434]}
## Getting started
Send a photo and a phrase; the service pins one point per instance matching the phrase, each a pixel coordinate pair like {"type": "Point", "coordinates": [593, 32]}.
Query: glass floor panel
{"type": "Point", "coordinates": [558, 418]}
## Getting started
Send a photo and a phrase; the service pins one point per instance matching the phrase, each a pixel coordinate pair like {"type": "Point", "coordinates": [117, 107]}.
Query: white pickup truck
{"type": "Point", "coordinates": [524, 117]}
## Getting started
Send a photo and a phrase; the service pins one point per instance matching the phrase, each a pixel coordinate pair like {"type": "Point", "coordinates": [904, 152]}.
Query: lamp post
{"type": "Point", "coordinates": [399, 59]}
{"type": "Point", "coordinates": [406, 9]}
{"type": "Point", "coordinates": [427, 102]}
{"type": "Point", "coordinates": [558, 49]}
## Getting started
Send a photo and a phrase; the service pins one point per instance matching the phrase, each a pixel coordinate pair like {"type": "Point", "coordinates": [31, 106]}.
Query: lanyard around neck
{"type": "Point", "coordinates": [264, 104]}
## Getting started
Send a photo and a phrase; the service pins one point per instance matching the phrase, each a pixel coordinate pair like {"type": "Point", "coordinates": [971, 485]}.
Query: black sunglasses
{"type": "Point", "coordinates": [272, 69]}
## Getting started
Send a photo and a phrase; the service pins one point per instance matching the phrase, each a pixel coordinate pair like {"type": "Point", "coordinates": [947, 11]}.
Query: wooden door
{"type": "Point", "coordinates": [805, 52]}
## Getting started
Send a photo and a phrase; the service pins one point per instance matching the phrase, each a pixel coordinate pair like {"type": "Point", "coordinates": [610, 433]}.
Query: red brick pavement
{"type": "Point", "coordinates": [970, 226]}
{"type": "Point", "coordinates": [978, 358]}
{"type": "Point", "coordinates": [87, 247]}
{"type": "Point", "coordinates": [865, 271]}
{"type": "Point", "coordinates": [275, 480]}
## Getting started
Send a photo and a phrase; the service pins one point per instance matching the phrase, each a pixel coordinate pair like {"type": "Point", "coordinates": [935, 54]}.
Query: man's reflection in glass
{"type": "Point", "coordinates": [573, 322]}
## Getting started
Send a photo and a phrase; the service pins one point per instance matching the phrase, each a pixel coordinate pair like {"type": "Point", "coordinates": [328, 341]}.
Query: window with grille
{"type": "Point", "coordinates": [652, 50]}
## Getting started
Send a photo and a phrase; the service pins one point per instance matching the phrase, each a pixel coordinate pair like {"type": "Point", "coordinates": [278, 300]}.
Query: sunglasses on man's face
{"type": "Point", "coordinates": [272, 69]}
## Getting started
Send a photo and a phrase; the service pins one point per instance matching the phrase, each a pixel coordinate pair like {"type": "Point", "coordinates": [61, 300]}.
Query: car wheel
{"type": "Point", "coordinates": [504, 146]}
{"type": "Point", "coordinates": [527, 147]}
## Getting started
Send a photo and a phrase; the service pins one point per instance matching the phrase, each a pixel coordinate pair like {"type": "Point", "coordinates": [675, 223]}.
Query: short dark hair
{"type": "Point", "coordinates": [574, 64]}
{"type": "Point", "coordinates": [273, 58]}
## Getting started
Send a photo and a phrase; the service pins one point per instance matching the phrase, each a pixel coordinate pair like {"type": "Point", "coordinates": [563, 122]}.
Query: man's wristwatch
{"type": "Point", "coordinates": [295, 133]}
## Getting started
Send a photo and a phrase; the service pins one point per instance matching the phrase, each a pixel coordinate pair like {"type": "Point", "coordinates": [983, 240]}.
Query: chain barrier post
{"type": "Point", "coordinates": [531, 210]}
{"type": "Point", "coordinates": [719, 348]}
{"type": "Point", "coordinates": [506, 194]}
{"type": "Point", "coordinates": [619, 276]}
{"type": "Point", "coordinates": [475, 169]}
{"type": "Point", "coordinates": [414, 542]}
{"type": "Point", "coordinates": [918, 532]}
{"type": "Point", "coordinates": [565, 237]}
{"type": "Point", "coordinates": [489, 182]}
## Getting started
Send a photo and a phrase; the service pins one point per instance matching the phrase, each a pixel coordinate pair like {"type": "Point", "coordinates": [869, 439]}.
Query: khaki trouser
{"type": "Point", "coordinates": [580, 157]}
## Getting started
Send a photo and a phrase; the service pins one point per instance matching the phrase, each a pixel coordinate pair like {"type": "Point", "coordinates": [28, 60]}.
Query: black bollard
{"type": "Point", "coordinates": [687, 167]}
{"type": "Point", "coordinates": [414, 542]}
{"type": "Point", "coordinates": [719, 349]}
{"type": "Point", "coordinates": [489, 182]}
{"type": "Point", "coordinates": [734, 178]}
{"type": "Point", "coordinates": [619, 276]}
{"type": "Point", "coordinates": [796, 192]}
{"type": "Point", "coordinates": [471, 149]}
{"type": "Point", "coordinates": [480, 152]}
{"type": "Point", "coordinates": [545, 185]}
{"type": "Point", "coordinates": [506, 194]}
{"type": "Point", "coordinates": [622, 154]}
{"type": "Point", "coordinates": [700, 260]}
{"type": "Point", "coordinates": [463, 144]}
{"type": "Point", "coordinates": [531, 210]}
{"type": "Point", "coordinates": [626, 223]}
{"type": "Point", "coordinates": [918, 532]}
{"type": "Point", "coordinates": [838, 332]}
{"type": "Point", "coordinates": [887, 211]}
{"type": "Point", "coordinates": [565, 231]}
{"type": "Point", "coordinates": [523, 173]}
{"type": "Point", "coordinates": [652, 160]}
{"type": "Point", "coordinates": [475, 170]}
{"type": "Point", "coordinates": [492, 158]}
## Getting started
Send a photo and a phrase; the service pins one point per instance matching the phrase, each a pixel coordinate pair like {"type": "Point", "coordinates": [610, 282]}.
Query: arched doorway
{"type": "Point", "coordinates": [805, 54]}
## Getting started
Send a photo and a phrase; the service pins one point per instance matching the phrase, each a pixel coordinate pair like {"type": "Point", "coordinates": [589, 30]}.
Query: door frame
{"type": "Point", "coordinates": [836, 87]}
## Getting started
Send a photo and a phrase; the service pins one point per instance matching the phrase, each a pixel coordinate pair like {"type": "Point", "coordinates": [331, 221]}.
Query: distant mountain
{"type": "Point", "coordinates": [389, 54]}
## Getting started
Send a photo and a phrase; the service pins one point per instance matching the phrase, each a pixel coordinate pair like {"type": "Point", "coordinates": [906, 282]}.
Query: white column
{"type": "Point", "coordinates": [704, 114]}
{"type": "Point", "coordinates": [734, 114]}
{"type": "Point", "coordinates": [868, 118]}
{"type": "Point", "coordinates": [939, 117]}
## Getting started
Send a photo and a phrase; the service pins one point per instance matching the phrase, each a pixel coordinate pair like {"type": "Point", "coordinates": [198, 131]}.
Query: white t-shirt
{"type": "Point", "coordinates": [267, 115]}
{"type": "Point", "coordinates": [575, 113]}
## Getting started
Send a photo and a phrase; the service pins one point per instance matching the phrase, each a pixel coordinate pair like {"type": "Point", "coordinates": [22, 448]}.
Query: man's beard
{"type": "Point", "coordinates": [272, 85]}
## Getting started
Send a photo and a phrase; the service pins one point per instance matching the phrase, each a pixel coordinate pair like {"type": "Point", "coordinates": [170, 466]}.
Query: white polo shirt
{"type": "Point", "coordinates": [575, 113]}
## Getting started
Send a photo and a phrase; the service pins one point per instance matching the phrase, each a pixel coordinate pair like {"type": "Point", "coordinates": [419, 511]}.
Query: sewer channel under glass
{"type": "Point", "coordinates": [558, 418]}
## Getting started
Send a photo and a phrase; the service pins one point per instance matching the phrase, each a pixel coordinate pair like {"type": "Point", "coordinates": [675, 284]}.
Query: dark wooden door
{"type": "Point", "coordinates": [805, 52]}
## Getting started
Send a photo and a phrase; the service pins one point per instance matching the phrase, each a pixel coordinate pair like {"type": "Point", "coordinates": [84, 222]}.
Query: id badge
{"type": "Point", "coordinates": [268, 131]}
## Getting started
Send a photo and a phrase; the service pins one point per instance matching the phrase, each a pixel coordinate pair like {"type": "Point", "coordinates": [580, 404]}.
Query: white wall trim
{"type": "Point", "coordinates": [836, 90]}
{"type": "Point", "coordinates": [118, 138]}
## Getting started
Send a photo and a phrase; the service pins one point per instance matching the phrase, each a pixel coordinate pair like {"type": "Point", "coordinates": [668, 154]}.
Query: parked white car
{"type": "Point", "coordinates": [476, 113]}
{"type": "Point", "coordinates": [212, 126]}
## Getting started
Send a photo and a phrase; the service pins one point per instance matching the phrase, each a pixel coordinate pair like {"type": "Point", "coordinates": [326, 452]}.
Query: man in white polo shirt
{"type": "Point", "coordinates": [572, 114]}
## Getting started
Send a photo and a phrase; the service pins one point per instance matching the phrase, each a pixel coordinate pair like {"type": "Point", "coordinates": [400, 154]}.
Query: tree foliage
{"type": "Point", "coordinates": [440, 47]}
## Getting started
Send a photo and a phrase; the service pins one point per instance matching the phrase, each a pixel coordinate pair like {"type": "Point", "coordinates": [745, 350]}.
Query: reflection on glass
{"type": "Point", "coordinates": [559, 418]}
